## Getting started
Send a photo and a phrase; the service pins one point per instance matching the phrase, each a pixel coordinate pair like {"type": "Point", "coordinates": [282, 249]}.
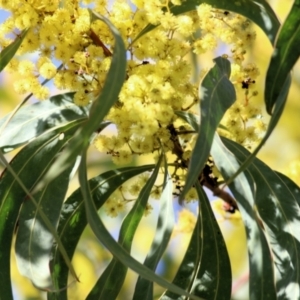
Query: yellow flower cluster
{"type": "Point", "coordinates": [158, 79]}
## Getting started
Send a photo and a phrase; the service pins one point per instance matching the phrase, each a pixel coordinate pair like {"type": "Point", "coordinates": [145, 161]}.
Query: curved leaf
{"type": "Point", "coordinates": [34, 240]}
{"type": "Point", "coordinates": [214, 277]}
{"type": "Point", "coordinates": [144, 288]}
{"type": "Point", "coordinates": [216, 94]}
{"type": "Point", "coordinates": [29, 164]}
{"type": "Point", "coordinates": [277, 200]}
{"type": "Point", "coordinates": [32, 120]}
{"type": "Point", "coordinates": [111, 281]}
{"type": "Point", "coordinates": [73, 220]}
{"type": "Point", "coordinates": [205, 269]}
{"type": "Point", "coordinates": [108, 241]}
{"type": "Point", "coordinates": [259, 11]}
{"type": "Point", "coordinates": [8, 53]}
{"type": "Point", "coordinates": [100, 108]}
{"type": "Point", "coordinates": [189, 266]}
{"type": "Point", "coordinates": [260, 261]}
{"type": "Point", "coordinates": [286, 53]}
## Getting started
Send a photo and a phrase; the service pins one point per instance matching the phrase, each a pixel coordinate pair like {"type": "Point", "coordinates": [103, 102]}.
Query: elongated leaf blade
{"type": "Point", "coordinates": [260, 12]}
{"type": "Point", "coordinates": [216, 94]}
{"type": "Point", "coordinates": [205, 269]}
{"type": "Point", "coordinates": [111, 281]}
{"type": "Point", "coordinates": [164, 228]}
{"type": "Point", "coordinates": [189, 267]}
{"type": "Point", "coordinates": [286, 53]}
{"type": "Point", "coordinates": [100, 108]}
{"type": "Point", "coordinates": [8, 53]}
{"type": "Point", "coordinates": [277, 201]}
{"type": "Point", "coordinates": [34, 241]}
{"type": "Point", "coordinates": [73, 220]}
{"type": "Point", "coordinates": [214, 277]}
{"type": "Point", "coordinates": [32, 120]}
{"type": "Point", "coordinates": [29, 164]}
{"type": "Point", "coordinates": [115, 248]}
{"type": "Point", "coordinates": [261, 285]}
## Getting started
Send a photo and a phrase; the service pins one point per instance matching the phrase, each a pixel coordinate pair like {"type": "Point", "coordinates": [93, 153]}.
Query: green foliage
{"type": "Point", "coordinates": [52, 135]}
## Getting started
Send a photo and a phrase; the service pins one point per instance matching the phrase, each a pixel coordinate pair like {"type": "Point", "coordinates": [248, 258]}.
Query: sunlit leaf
{"type": "Point", "coordinates": [189, 266]}
{"type": "Point", "coordinates": [8, 53]}
{"type": "Point", "coordinates": [260, 12]}
{"type": "Point", "coordinates": [277, 200]}
{"type": "Point", "coordinates": [217, 94]}
{"type": "Point", "coordinates": [34, 241]}
{"type": "Point", "coordinates": [164, 228]}
{"type": "Point", "coordinates": [32, 120]}
{"type": "Point", "coordinates": [112, 279]}
{"type": "Point", "coordinates": [286, 53]}
{"type": "Point", "coordinates": [115, 248]}
{"type": "Point", "coordinates": [101, 106]}
{"type": "Point", "coordinates": [261, 282]}
{"type": "Point", "coordinates": [73, 219]}
{"type": "Point", "coordinates": [29, 164]}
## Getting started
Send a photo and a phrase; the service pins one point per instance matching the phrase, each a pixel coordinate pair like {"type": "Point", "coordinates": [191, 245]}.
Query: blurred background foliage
{"type": "Point", "coordinates": [281, 153]}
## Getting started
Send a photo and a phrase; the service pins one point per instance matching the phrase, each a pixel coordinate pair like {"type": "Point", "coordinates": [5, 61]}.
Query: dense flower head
{"type": "Point", "coordinates": [76, 53]}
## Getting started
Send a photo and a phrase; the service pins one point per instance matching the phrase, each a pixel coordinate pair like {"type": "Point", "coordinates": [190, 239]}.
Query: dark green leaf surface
{"type": "Point", "coordinates": [261, 282]}
{"type": "Point", "coordinates": [189, 266]}
{"type": "Point", "coordinates": [111, 281]}
{"type": "Point", "coordinates": [214, 277]}
{"type": "Point", "coordinates": [29, 164]}
{"type": "Point", "coordinates": [115, 248]}
{"type": "Point", "coordinates": [205, 270]}
{"type": "Point", "coordinates": [260, 12]}
{"type": "Point", "coordinates": [100, 108]}
{"type": "Point", "coordinates": [216, 94]}
{"type": "Point", "coordinates": [277, 200]}
{"type": "Point", "coordinates": [32, 120]}
{"type": "Point", "coordinates": [8, 53]}
{"type": "Point", "coordinates": [73, 219]}
{"type": "Point", "coordinates": [144, 288]}
{"type": "Point", "coordinates": [285, 55]}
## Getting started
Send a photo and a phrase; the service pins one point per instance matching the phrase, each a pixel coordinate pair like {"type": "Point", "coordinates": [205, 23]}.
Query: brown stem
{"type": "Point", "coordinates": [96, 40]}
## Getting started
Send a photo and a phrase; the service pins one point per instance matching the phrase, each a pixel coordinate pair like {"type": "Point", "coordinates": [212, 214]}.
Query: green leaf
{"type": "Point", "coordinates": [260, 12]}
{"type": "Point", "coordinates": [261, 282]}
{"type": "Point", "coordinates": [277, 201]}
{"type": "Point", "coordinates": [73, 220]}
{"type": "Point", "coordinates": [216, 94]}
{"type": "Point", "coordinates": [115, 248]}
{"type": "Point", "coordinates": [29, 164]}
{"type": "Point", "coordinates": [111, 281]}
{"type": "Point", "coordinates": [214, 277]}
{"type": "Point", "coordinates": [189, 266]}
{"type": "Point", "coordinates": [165, 224]}
{"type": "Point", "coordinates": [205, 269]}
{"type": "Point", "coordinates": [100, 108]}
{"type": "Point", "coordinates": [32, 120]}
{"type": "Point", "coordinates": [34, 240]}
{"type": "Point", "coordinates": [190, 119]}
{"type": "Point", "coordinates": [285, 54]}
{"type": "Point", "coordinates": [8, 53]}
